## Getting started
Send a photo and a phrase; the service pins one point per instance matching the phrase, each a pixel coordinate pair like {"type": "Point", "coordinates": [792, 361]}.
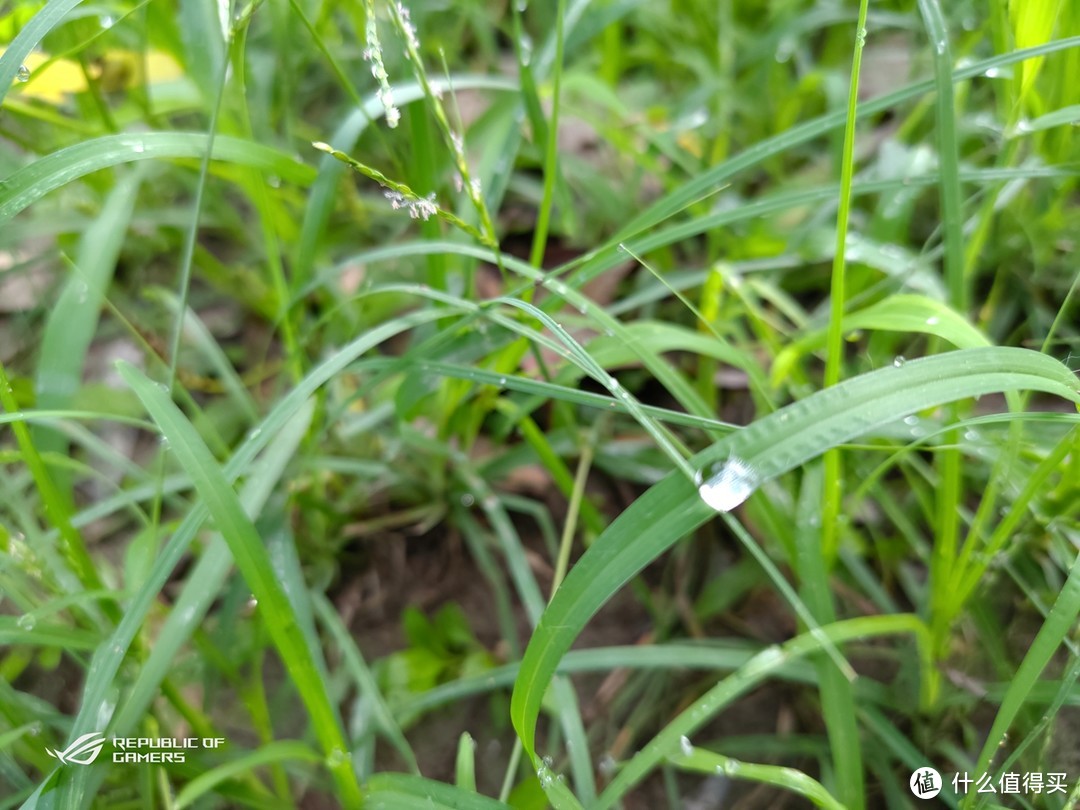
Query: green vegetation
{"type": "Point", "coordinates": [354, 357]}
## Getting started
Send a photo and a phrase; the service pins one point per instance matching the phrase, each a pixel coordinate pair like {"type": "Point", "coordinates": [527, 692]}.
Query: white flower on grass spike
{"type": "Point", "coordinates": [373, 53]}
{"type": "Point", "coordinates": [735, 481]}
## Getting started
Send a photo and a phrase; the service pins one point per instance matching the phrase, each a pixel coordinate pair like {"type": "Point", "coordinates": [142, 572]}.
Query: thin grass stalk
{"type": "Point", "coordinates": [551, 156]}
{"type": "Point", "coordinates": [836, 695]}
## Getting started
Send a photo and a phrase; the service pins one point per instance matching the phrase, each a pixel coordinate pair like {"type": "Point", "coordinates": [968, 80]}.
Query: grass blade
{"type": "Point", "coordinates": [255, 565]}
{"type": "Point", "coordinates": [772, 445]}
{"type": "Point", "coordinates": [31, 183]}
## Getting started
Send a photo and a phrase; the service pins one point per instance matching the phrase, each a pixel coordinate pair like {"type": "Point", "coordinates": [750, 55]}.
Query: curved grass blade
{"type": "Point", "coordinates": [795, 781]}
{"type": "Point", "coordinates": [44, 21]}
{"type": "Point", "coordinates": [254, 563]}
{"type": "Point", "coordinates": [756, 670]}
{"type": "Point", "coordinates": [73, 319]}
{"type": "Point", "coordinates": [770, 446]}
{"type": "Point", "coordinates": [395, 791]}
{"type": "Point", "coordinates": [897, 313]}
{"type": "Point", "coordinates": [273, 752]}
{"type": "Point", "coordinates": [31, 183]}
{"type": "Point", "coordinates": [109, 657]}
{"type": "Point", "coordinates": [208, 577]}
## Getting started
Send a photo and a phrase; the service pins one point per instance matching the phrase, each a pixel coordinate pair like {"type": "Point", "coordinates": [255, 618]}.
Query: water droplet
{"type": "Point", "coordinates": [899, 361]}
{"type": "Point", "coordinates": [785, 49]}
{"type": "Point", "coordinates": [106, 21]}
{"type": "Point", "coordinates": [23, 74]}
{"type": "Point", "coordinates": [992, 73]}
{"type": "Point", "coordinates": [686, 746]}
{"type": "Point", "coordinates": [27, 622]}
{"type": "Point", "coordinates": [336, 758]}
{"type": "Point", "coordinates": [732, 485]}
{"type": "Point", "coordinates": [138, 147]}
{"type": "Point", "coordinates": [972, 435]}
{"type": "Point", "coordinates": [467, 500]}
{"type": "Point", "coordinates": [254, 433]}
{"type": "Point", "coordinates": [860, 37]}
{"type": "Point", "coordinates": [911, 420]}
{"type": "Point", "coordinates": [932, 320]}
{"type": "Point", "coordinates": [522, 5]}
{"type": "Point", "coordinates": [502, 380]}
{"type": "Point", "coordinates": [607, 765]}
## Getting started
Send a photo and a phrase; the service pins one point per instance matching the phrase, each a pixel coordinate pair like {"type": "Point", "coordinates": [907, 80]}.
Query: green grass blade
{"type": "Point", "coordinates": [465, 764]}
{"type": "Point", "coordinates": [254, 562]}
{"type": "Point", "coordinates": [74, 317]}
{"type": "Point", "coordinates": [270, 753]}
{"type": "Point", "coordinates": [395, 791]}
{"type": "Point", "coordinates": [701, 761]}
{"type": "Point", "coordinates": [204, 584]}
{"type": "Point", "coordinates": [51, 15]}
{"type": "Point", "coordinates": [368, 686]}
{"type": "Point", "coordinates": [669, 741]}
{"type": "Point", "coordinates": [109, 657]}
{"type": "Point", "coordinates": [770, 446]}
{"type": "Point", "coordinates": [32, 182]}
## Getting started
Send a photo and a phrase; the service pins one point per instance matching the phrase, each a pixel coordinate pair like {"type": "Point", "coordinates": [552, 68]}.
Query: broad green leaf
{"type": "Point", "coordinates": [770, 446]}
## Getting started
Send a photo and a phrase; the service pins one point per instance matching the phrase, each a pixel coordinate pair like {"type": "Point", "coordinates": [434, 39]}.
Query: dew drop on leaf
{"type": "Point", "coordinates": [729, 487]}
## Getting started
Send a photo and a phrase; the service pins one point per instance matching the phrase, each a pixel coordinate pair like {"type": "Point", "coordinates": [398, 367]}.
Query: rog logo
{"type": "Point", "coordinates": [83, 751]}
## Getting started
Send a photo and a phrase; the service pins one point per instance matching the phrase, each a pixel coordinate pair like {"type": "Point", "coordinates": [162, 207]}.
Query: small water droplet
{"type": "Point", "coordinates": [23, 74]}
{"type": "Point", "coordinates": [467, 500]}
{"type": "Point", "coordinates": [932, 320]}
{"type": "Point", "coordinates": [607, 765]}
{"type": "Point", "coordinates": [899, 361]}
{"type": "Point", "coordinates": [138, 147]}
{"type": "Point", "coordinates": [106, 21]}
{"type": "Point", "coordinates": [911, 420]}
{"type": "Point", "coordinates": [785, 49]}
{"type": "Point", "coordinates": [502, 380]}
{"type": "Point", "coordinates": [686, 746]}
{"type": "Point", "coordinates": [27, 622]}
{"type": "Point", "coordinates": [729, 487]}
{"type": "Point", "coordinates": [336, 758]}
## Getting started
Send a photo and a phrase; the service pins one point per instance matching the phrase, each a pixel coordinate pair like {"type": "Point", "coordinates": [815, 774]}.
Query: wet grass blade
{"type": "Point", "coordinates": [51, 15]}
{"type": "Point", "coordinates": [255, 565]}
{"type": "Point", "coordinates": [770, 446]}
{"type": "Point", "coordinates": [669, 741]}
{"type": "Point", "coordinates": [32, 182]}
